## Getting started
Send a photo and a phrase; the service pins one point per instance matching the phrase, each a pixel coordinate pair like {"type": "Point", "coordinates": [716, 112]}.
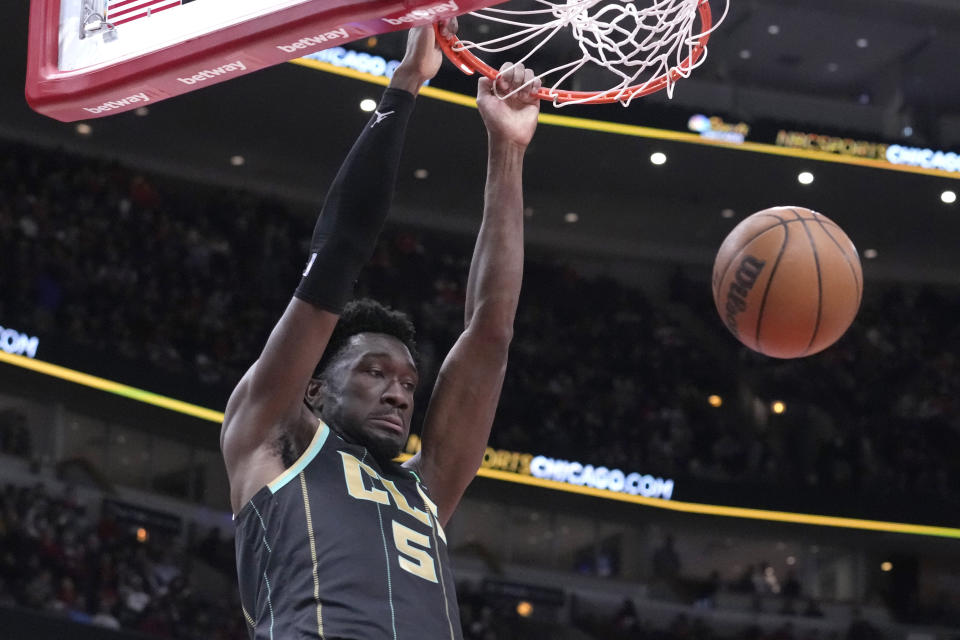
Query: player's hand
{"type": "Point", "coordinates": [423, 56]}
{"type": "Point", "coordinates": [512, 119]}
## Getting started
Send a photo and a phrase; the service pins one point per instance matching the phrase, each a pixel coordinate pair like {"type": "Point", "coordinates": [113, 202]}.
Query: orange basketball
{"type": "Point", "coordinates": [787, 282]}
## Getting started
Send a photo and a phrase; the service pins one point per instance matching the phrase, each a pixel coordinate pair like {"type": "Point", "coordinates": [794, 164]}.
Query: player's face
{"type": "Point", "coordinates": [370, 393]}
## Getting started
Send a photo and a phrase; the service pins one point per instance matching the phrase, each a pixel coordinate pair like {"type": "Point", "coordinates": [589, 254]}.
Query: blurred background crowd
{"type": "Point", "coordinates": [63, 555]}
{"type": "Point", "coordinates": [188, 280]}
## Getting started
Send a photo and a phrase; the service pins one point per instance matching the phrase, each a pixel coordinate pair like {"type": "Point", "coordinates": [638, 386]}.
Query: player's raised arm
{"type": "Point", "coordinates": [266, 409]}
{"type": "Point", "coordinates": [461, 411]}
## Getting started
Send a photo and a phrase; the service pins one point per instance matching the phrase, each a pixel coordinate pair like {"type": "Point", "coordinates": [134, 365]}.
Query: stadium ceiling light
{"type": "Point", "coordinates": [948, 197]}
{"type": "Point", "coordinates": [571, 217]}
{"type": "Point", "coordinates": [805, 177]}
{"type": "Point", "coordinates": [886, 566]}
{"type": "Point", "coordinates": [658, 158]}
{"type": "Point", "coordinates": [715, 400]}
{"type": "Point", "coordinates": [142, 111]}
{"type": "Point", "coordinates": [773, 29]}
{"type": "Point", "coordinates": [833, 67]}
{"type": "Point", "coordinates": [727, 213]}
{"type": "Point", "coordinates": [84, 129]}
{"type": "Point", "coordinates": [237, 161]}
{"type": "Point", "coordinates": [863, 43]}
{"type": "Point", "coordinates": [421, 174]}
{"type": "Point", "coordinates": [870, 254]}
{"type": "Point", "coordinates": [778, 407]}
{"type": "Point", "coordinates": [745, 54]}
{"type": "Point", "coordinates": [368, 105]}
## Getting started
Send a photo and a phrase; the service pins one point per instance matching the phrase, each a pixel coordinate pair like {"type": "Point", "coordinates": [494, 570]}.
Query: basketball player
{"type": "Point", "coordinates": [334, 540]}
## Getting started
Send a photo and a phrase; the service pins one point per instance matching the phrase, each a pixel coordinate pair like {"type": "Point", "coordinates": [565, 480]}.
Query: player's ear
{"type": "Point", "coordinates": [315, 393]}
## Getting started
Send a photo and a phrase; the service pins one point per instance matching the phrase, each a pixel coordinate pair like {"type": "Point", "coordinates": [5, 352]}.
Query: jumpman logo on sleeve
{"type": "Point", "coordinates": [381, 117]}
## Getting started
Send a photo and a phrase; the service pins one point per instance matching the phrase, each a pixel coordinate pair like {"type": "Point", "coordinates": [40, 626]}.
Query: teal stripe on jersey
{"type": "Point", "coordinates": [262, 526]}
{"type": "Point", "coordinates": [315, 445]}
{"type": "Point", "coordinates": [386, 554]}
{"type": "Point", "coordinates": [269, 602]}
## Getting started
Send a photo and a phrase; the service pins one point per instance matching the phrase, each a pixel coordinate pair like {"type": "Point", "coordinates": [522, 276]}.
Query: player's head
{"type": "Point", "coordinates": [363, 386]}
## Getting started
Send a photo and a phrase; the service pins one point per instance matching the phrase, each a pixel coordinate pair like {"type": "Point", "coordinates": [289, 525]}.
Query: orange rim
{"type": "Point", "coordinates": [470, 64]}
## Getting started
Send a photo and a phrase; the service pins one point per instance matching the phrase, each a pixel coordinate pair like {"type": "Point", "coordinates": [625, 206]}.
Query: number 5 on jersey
{"type": "Point", "coordinates": [419, 562]}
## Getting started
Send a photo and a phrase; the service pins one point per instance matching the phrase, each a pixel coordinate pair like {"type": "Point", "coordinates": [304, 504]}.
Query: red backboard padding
{"type": "Point", "coordinates": [106, 89]}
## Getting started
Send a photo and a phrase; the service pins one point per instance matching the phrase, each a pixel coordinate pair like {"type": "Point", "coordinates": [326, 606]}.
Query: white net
{"type": "Point", "coordinates": [645, 48]}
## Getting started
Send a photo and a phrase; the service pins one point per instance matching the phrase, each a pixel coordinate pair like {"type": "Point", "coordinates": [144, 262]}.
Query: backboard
{"type": "Point", "coordinates": [93, 58]}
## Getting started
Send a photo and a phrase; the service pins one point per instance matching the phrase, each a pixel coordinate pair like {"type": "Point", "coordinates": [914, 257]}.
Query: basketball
{"type": "Point", "coordinates": [787, 282]}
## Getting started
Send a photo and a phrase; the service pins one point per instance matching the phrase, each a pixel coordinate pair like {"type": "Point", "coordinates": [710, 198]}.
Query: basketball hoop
{"type": "Point", "coordinates": [645, 49]}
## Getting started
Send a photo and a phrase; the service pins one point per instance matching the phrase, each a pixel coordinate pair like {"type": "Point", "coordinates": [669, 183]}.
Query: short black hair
{"type": "Point", "coordinates": [367, 316]}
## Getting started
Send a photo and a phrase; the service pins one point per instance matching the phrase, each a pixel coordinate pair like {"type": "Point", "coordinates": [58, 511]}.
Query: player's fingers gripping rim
{"type": "Point", "coordinates": [518, 73]}
{"type": "Point", "coordinates": [485, 86]}
{"type": "Point", "coordinates": [532, 81]}
{"type": "Point", "coordinates": [449, 27]}
{"type": "Point", "coordinates": [501, 84]}
{"type": "Point", "coordinates": [512, 79]}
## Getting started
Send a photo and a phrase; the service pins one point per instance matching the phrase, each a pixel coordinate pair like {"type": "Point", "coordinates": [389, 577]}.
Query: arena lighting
{"type": "Point", "coordinates": [745, 54]}
{"type": "Point", "coordinates": [658, 158]}
{"type": "Point", "coordinates": [142, 535]}
{"type": "Point", "coordinates": [715, 400]}
{"type": "Point", "coordinates": [421, 174]}
{"type": "Point", "coordinates": [869, 254]}
{"type": "Point", "coordinates": [570, 217]}
{"type": "Point", "coordinates": [142, 111]}
{"type": "Point", "coordinates": [805, 177]}
{"type": "Point", "coordinates": [773, 29]}
{"type": "Point", "coordinates": [727, 213]}
{"type": "Point", "coordinates": [863, 43]}
{"type": "Point", "coordinates": [237, 161]}
{"type": "Point", "coordinates": [110, 386]}
{"type": "Point", "coordinates": [368, 104]}
{"type": "Point", "coordinates": [886, 567]}
{"type": "Point", "coordinates": [147, 397]}
{"type": "Point", "coordinates": [524, 609]}
{"type": "Point", "coordinates": [948, 197]}
{"type": "Point", "coordinates": [778, 407]}
{"type": "Point", "coordinates": [84, 129]}
{"type": "Point", "coordinates": [586, 124]}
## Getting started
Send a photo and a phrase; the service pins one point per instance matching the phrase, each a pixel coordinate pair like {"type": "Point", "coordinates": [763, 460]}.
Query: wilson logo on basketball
{"type": "Point", "coordinates": [743, 281]}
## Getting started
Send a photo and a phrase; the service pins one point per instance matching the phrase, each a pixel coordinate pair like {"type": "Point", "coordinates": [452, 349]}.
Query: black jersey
{"type": "Point", "coordinates": [339, 547]}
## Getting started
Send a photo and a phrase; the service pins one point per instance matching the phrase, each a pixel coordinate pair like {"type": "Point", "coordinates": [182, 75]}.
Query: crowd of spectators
{"type": "Point", "coordinates": [59, 556]}
{"type": "Point", "coordinates": [191, 278]}
{"type": "Point", "coordinates": [490, 618]}
{"type": "Point", "coordinates": [14, 433]}
{"type": "Point", "coordinates": [67, 558]}
{"type": "Point", "coordinates": [628, 624]}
